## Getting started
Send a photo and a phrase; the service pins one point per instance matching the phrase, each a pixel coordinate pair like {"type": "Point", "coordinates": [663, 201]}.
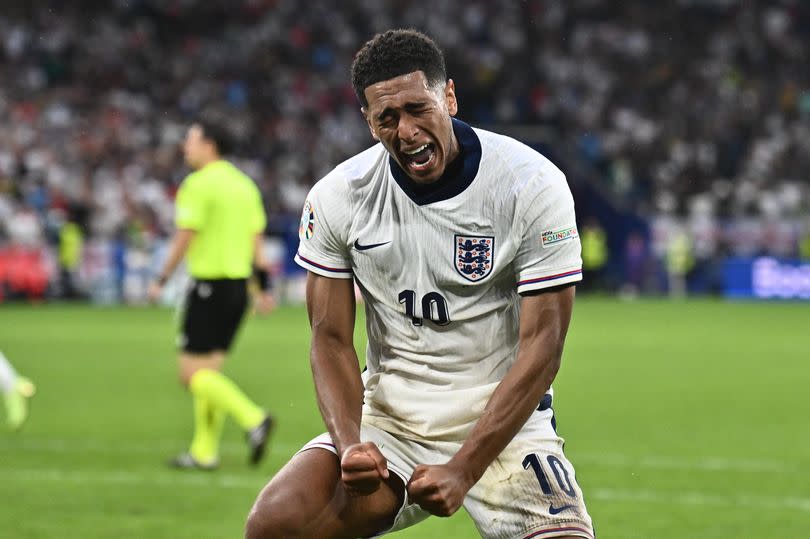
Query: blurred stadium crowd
{"type": "Point", "coordinates": [683, 126]}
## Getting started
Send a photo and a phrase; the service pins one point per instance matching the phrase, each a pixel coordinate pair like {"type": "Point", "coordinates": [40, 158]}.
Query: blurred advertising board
{"type": "Point", "coordinates": [767, 278]}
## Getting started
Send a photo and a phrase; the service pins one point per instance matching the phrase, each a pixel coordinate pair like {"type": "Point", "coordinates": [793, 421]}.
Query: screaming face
{"type": "Point", "coordinates": [412, 119]}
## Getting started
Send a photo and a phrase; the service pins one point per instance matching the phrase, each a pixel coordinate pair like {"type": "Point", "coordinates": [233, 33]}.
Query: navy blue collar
{"type": "Point", "coordinates": [457, 176]}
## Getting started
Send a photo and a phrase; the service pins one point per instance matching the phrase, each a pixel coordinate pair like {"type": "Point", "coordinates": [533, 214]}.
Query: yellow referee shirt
{"type": "Point", "coordinates": [224, 207]}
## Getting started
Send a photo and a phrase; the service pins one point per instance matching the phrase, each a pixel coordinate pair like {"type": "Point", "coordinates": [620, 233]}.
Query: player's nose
{"type": "Point", "coordinates": [407, 130]}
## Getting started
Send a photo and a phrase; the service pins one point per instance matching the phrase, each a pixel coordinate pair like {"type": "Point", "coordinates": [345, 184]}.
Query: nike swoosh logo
{"type": "Point", "coordinates": [556, 510]}
{"type": "Point", "coordinates": [369, 246]}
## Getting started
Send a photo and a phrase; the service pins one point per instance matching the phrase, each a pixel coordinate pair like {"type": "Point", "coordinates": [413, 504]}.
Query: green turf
{"type": "Point", "coordinates": [683, 420]}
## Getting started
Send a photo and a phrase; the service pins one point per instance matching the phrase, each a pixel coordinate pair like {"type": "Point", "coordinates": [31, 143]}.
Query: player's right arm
{"type": "Point", "coordinates": [335, 370]}
{"type": "Point", "coordinates": [323, 251]}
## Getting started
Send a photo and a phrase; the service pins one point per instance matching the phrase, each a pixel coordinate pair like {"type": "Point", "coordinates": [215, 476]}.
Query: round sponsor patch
{"type": "Point", "coordinates": [307, 227]}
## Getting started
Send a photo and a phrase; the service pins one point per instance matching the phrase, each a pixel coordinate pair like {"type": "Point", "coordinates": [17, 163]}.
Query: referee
{"type": "Point", "coordinates": [219, 221]}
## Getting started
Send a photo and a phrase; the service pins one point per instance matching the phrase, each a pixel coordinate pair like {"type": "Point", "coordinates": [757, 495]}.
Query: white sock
{"type": "Point", "coordinates": [8, 376]}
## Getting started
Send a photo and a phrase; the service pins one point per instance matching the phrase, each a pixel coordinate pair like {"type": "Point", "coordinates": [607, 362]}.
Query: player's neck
{"type": "Point", "coordinates": [455, 150]}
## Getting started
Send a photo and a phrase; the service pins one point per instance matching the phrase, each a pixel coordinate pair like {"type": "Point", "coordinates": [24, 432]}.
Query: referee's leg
{"type": "Point", "coordinates": [189, 363]}
{"type": "Point", "coordinates": [213, 315]}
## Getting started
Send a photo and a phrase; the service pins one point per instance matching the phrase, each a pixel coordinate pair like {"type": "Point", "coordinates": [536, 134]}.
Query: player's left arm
{"type": "Point", "coordinates": [544, 320]}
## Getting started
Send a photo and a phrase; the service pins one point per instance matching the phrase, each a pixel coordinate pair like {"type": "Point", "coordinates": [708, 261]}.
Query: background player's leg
{"type": "Point", "coordinates": [16, 390]}
{"type": "Point", "coordinates": [8, 376]}
{"type": "Point", "coordinates": [306, 499]}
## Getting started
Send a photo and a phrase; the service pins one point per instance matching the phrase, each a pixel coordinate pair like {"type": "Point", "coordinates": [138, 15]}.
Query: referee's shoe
{"type": "Point", "coordinates": [257, 440]}
{"type": "Point", "coordinates": [184, 461]}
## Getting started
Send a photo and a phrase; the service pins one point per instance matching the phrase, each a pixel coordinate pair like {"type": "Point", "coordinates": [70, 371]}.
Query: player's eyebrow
{"type": "Point", "coordinates": [389, 111]}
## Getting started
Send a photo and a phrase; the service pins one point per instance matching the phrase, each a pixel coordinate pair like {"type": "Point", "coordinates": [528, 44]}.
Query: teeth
{"type": "Point", "coordinates": [419, 149]}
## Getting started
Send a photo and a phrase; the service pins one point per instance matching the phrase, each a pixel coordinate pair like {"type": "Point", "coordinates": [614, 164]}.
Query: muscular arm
{"type": "Point", "coordinates": [544, 322]}
{"type": "Point", "coordinates": [335, 369]}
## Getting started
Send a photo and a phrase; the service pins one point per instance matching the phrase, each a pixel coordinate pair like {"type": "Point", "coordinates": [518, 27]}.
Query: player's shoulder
{"type": "Point", "coordinates": [351, 173]}
{"type": "Point", "coordinates": [518, 164]}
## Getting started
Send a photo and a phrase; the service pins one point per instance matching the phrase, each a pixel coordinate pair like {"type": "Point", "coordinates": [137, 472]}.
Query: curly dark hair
{"type": "Point", "coordinates": [394, 53]}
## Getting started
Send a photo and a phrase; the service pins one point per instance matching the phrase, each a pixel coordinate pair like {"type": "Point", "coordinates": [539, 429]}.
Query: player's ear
{"type": "Point", "coordinates": [364, 110]}
{"type": "Point", "coordinates": [450, 97]}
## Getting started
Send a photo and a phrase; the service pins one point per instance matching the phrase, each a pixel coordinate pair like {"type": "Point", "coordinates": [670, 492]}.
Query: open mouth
{"type": "Point", "coordinates": [419, 158]}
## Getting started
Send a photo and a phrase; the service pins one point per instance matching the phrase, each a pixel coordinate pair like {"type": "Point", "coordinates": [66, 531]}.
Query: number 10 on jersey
{"type": "Point", "coordinates": [434, 307]}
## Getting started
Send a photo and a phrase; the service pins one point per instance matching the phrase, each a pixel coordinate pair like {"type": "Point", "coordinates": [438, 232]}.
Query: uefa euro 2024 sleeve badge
{"type": "Point", "coordinates": [307, 226]}
{"type": "Point", "coordinates": [474, 256]}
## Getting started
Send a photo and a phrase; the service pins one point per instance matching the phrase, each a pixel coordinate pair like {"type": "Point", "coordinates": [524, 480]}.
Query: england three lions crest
{"type": "Point", "coordinates": [474, 256]}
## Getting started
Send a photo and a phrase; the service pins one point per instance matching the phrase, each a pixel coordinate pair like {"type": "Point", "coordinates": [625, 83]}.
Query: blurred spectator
{"type": "Point", "coordinates": [119, 263]}
{"type": "Point", "coordinates": [594, 255]}
{"type": "Point", "coordinates": [71, 239]}
{"type": "Point", "coordinates": [804, 246]}
{"type": "Point", "coordinates": [679, 262]}
{"type": "Point", "coordinates": [636, 264]}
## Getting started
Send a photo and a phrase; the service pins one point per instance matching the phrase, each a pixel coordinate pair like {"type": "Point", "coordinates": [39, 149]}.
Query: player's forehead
{"type": "Point", "coordinates": [400, 91]}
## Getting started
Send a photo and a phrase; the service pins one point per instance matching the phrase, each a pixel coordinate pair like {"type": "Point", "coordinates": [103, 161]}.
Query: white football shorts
{"type": "Point", "coordinates": [528, 492]}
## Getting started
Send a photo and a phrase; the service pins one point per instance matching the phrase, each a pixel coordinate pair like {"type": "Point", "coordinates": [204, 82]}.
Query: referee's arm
{"type": "Point", "coordinates": [259, 262]}
{"type": "Point", "coordinates": [177, 250]}
{"type": "Point", "coordinates": [264, 300]}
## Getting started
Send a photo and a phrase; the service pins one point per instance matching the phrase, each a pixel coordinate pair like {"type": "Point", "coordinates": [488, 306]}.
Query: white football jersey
{"type": "Point", "coordinates": [440, 268]}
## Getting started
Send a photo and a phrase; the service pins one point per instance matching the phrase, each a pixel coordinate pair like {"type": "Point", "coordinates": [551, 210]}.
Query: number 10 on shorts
{"type": "Point", "coordinates": [560, 473]}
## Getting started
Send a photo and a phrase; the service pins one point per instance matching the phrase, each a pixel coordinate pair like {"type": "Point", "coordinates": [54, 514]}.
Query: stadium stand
{"type": "Point", "coordinates": [688, 115]}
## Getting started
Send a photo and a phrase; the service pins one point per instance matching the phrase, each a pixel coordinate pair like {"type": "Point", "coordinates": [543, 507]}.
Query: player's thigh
{"type": "Point", "coordinates": [530, 490]}
{"type": "Point", "coordinates": [306, 499]}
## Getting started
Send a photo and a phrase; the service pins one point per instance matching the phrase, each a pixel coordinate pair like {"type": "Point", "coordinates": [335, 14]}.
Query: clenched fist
{"type": "Point", "coordinates": [362, 468]}
{"type": "Point", "coordinates": [439, 489]}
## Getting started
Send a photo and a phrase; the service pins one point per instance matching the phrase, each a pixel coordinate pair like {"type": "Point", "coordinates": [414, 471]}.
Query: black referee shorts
{"type": "Point", "coordinates": [212, 313]}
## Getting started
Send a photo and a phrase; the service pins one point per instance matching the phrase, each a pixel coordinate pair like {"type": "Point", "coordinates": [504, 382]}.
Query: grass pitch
{"type": "Point", "coordinates": [682, 419]}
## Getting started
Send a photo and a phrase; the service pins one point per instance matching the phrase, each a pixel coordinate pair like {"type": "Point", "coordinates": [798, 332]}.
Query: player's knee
{"type": "Point", "coordinates": [274, 518]}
